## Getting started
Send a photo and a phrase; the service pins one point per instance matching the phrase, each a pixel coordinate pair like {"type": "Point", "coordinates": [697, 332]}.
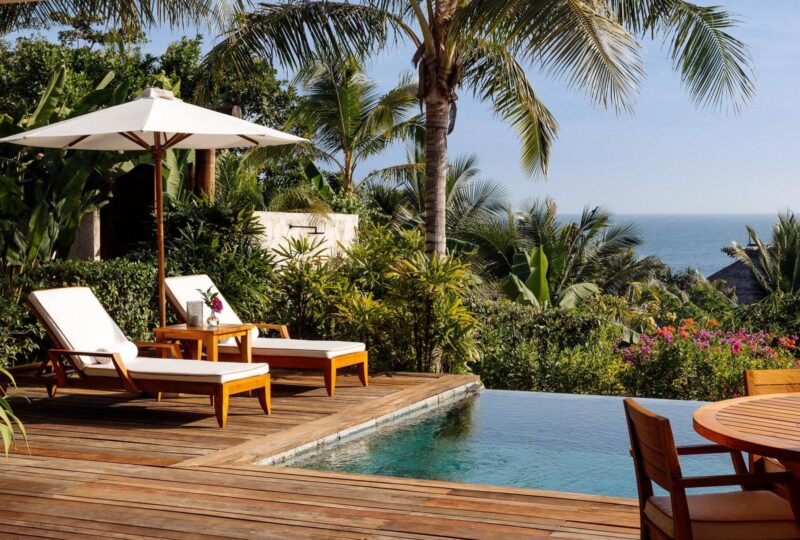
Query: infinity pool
{"type": "Point", "coordinates": [525, 439]}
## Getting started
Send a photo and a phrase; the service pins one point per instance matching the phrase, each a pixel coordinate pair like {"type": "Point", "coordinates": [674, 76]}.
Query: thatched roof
{"type": "Point", "coordinates": [740, 278]}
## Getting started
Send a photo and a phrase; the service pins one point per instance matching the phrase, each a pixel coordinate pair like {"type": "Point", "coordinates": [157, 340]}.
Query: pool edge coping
{"type": "Point", "coordinates": [429, 404]}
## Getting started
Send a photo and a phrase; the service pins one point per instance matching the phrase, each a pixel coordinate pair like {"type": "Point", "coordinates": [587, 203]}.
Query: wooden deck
{"type": "Point", "coordinates": [110, 465]}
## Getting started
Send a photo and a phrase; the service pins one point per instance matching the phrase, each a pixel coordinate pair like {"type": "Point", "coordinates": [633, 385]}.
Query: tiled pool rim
{"type": "Point", "coordinates": [419, 408]}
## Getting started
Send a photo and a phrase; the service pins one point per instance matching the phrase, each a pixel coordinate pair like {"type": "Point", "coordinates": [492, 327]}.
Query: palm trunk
{"type": "Point", "coordinates": [347, 172]}
{"type": "Point", "coordinates": [437, 114]}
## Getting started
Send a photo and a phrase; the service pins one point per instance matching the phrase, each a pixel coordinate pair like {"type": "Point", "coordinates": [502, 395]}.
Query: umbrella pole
{"type": "Point", "coordinates": [158, 156]}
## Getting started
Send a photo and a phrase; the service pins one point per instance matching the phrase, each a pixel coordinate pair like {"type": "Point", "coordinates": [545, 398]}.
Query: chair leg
{"type": "Point", "coordinates": [51, 390]}
{"type": "Point", "coordinates": [330, 377]}
{"type": "Point", "coordinates": [221, 405]}
{"type": "Point", "coordinates": [265, 398]}
{"type": "Point", "coordinates": [158, 397]}
{"type": "Point", "coordinates": [211, 399]}
{"type": "Point", "coordinates": [363, 373]}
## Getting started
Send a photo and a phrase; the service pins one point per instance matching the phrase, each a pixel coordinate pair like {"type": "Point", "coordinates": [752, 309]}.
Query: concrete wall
{"type": "Point", "coordinates": [334, 229]}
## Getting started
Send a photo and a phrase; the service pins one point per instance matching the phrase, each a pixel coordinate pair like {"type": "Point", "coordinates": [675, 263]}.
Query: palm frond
{"type": "Point", "coordinates": [579, 42]}
{"type": "Point", "coordinates": [298, 199]}
{"type": "Point", "coordinates": [497, 239]}
{"type": "Point", "coordinates": [291, 32]}
{"type": "Point", "coordinates": [126, 14]}
{"type": "Point", "coordinates": [493, 75]}
{"type": "Point", "coordinates": [474, 202]}
{"type": "Point", "coordinates": [715, 67]}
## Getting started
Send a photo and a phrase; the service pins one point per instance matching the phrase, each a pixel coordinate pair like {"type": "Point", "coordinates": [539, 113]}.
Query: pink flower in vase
{"type": "Point", "coordinates": [216, 305]}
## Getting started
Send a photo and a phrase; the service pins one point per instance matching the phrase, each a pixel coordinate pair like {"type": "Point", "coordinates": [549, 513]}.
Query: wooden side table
{"type": "Point", "coordinates": [194, 337]}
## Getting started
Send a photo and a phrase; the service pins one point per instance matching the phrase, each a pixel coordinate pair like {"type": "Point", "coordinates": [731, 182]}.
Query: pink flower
{"type": "Point", "coordinates": [216, 305]}
{"type": "Point", "coordinates": [736, 346]}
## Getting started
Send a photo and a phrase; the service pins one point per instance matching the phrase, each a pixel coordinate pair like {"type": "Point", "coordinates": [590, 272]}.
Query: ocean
{"type": "Point", "coordinates": [694, 241]}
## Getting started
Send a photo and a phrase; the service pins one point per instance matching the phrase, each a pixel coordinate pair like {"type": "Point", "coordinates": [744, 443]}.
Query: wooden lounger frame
{"type": "Point", "coordinates": [54, 373]}
{"type": "Point", "coordinates": [327, 365]}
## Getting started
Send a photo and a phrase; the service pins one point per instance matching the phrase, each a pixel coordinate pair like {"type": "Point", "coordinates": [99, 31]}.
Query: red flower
{"type": "Point", "coordinates": [216, 305]}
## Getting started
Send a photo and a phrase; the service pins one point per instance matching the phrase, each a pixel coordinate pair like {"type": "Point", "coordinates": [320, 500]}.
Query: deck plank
{"type": "Point", "coordinates": [111, 465]}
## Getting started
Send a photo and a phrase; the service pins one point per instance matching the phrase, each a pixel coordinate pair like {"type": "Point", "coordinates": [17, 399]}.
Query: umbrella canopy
{"type": "Point", "coordinates": [156, 121]}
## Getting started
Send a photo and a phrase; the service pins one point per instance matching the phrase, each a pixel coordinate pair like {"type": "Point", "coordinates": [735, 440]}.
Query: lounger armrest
{"type": "Point", "coordinates": [116, 359]}
{"type": "Point", "coordinates": [745, 480]}
{"type": "Point", "coordinates": [282, 329]}
{"type": "Point", "coordinates": [72, 352]}
{"type": "Point", "coordinates": [173, 349]}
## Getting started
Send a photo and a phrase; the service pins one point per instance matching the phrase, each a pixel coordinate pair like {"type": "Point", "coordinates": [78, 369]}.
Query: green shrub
{"type": "Point", "coordinates": [408, 308]}
{"type": "Point", "coordinates": [126, 289]}
{"type": "Point", "coordinates": [21, 337]}
{"type": "Point", "coordinates": [222, 241]}
{"type": "Point", "coordinates": [592, 369]}
{"type": "Point", "coordinates": [524, 348]}
{"type": "Point", "coordinates": [306, 289]}
{"type": "Point", "coordinates": [778, 313]}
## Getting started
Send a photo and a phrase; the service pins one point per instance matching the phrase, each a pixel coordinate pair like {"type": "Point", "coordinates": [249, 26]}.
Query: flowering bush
{"type": "Point", "coordinates": [693, 361]}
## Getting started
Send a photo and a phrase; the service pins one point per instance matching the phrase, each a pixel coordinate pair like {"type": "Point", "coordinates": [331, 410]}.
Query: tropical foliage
{"type": "Point", "coordinates": [399, 193]}
{"type": "Point", "coordinates": [128, 15]}
{"type": "Point", "coordinates": [351, 119]}
{"type": "Point", "coordinates": [484, 46]}
{"type": "Point", "coordinates": [8, 419]}
{"type": "Point", "coordinates": [45, 193]}
{"type": "Point", "coordinates": [526, 299]}
{"type": "Point", "coordinates": [776, 266]}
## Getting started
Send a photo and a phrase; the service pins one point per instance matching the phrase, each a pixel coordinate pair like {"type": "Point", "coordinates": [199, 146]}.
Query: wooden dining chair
{"type": "Point", "coordinates": [760, 382]}
{"type": "Point", "coordinates": [734, 515]}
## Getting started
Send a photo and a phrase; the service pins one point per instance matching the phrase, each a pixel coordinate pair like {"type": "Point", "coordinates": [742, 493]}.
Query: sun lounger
{"type": "Point", "coordinates": [92, 352]}
{"type": "Point", "coordinates": [282, 352]}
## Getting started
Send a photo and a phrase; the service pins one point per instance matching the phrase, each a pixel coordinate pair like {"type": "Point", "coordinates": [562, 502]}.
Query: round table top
{"type": "Point", "coordinates": [767, 425]}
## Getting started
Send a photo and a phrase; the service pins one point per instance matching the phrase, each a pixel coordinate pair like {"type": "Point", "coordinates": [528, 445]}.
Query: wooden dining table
{"type": "Point", "coordinates": [766, 425]}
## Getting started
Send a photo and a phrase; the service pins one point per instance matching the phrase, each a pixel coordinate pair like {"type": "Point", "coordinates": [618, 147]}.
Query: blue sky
{"type": "Point", "coordinates": [667, 157]}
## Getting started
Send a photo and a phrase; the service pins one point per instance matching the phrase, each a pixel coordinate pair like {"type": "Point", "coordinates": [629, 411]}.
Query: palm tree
{"type": "Point", "coordinates": [126, 14]}
{"type": "Point", "coordinates": [483, 46]}
{"type": "Point", "coordinates": [776, 266]}
{"type": "Point", "coordinates": [399, 192]}
{"type": "Point", "coordinates": [349, 117]}
{"type": "Point", "coordinates": [592, 249]}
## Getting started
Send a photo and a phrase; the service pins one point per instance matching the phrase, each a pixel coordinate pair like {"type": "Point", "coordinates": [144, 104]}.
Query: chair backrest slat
{"type": "Point", "coordinates": [771, 381]}
{"type": "Point", "coordinates": [653, 447]}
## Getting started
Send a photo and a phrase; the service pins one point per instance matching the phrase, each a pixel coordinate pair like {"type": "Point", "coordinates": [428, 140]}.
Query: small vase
{"type": "Point", "coordinates": [212, 320]}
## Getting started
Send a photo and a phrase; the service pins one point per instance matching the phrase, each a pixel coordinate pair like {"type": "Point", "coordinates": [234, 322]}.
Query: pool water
{"type": "Point", "coordinates": [535, 440]}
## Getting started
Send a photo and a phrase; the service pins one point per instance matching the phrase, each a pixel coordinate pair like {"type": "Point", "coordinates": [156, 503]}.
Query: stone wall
{"type": "Point", "coordinates": [334, 229]}
{"type": "Point", "coordinates": [87, 238]}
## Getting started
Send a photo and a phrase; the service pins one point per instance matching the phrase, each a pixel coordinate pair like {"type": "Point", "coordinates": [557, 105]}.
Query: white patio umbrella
{"type": "Point", "coordinates": [156, 121]}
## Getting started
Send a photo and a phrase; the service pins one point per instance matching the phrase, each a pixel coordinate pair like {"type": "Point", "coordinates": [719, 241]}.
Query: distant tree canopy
{"type": "Point", "coordinates": [27, 64]}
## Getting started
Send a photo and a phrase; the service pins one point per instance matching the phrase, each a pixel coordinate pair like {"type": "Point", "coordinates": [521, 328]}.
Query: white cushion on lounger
{"type": "Point", "coordinates": [298, 347]}
{"type": "Point", "coordinates": [127, 350]}
{"type": "Point", "coordinates": [181, 370]}
{"type": "Point", "coordinates": [182, 289]}
{"type": "Point", "coordinates": [80, 322]}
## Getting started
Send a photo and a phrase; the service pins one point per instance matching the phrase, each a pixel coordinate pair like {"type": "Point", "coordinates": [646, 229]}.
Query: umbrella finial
{"type": "Point", "coordinates": [156, 93]}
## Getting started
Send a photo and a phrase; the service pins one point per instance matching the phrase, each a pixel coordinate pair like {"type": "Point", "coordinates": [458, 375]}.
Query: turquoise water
{"type": "Point", "coordinates": [523, 439]}
{"type": "Point", "coordinates": [686, 240]}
